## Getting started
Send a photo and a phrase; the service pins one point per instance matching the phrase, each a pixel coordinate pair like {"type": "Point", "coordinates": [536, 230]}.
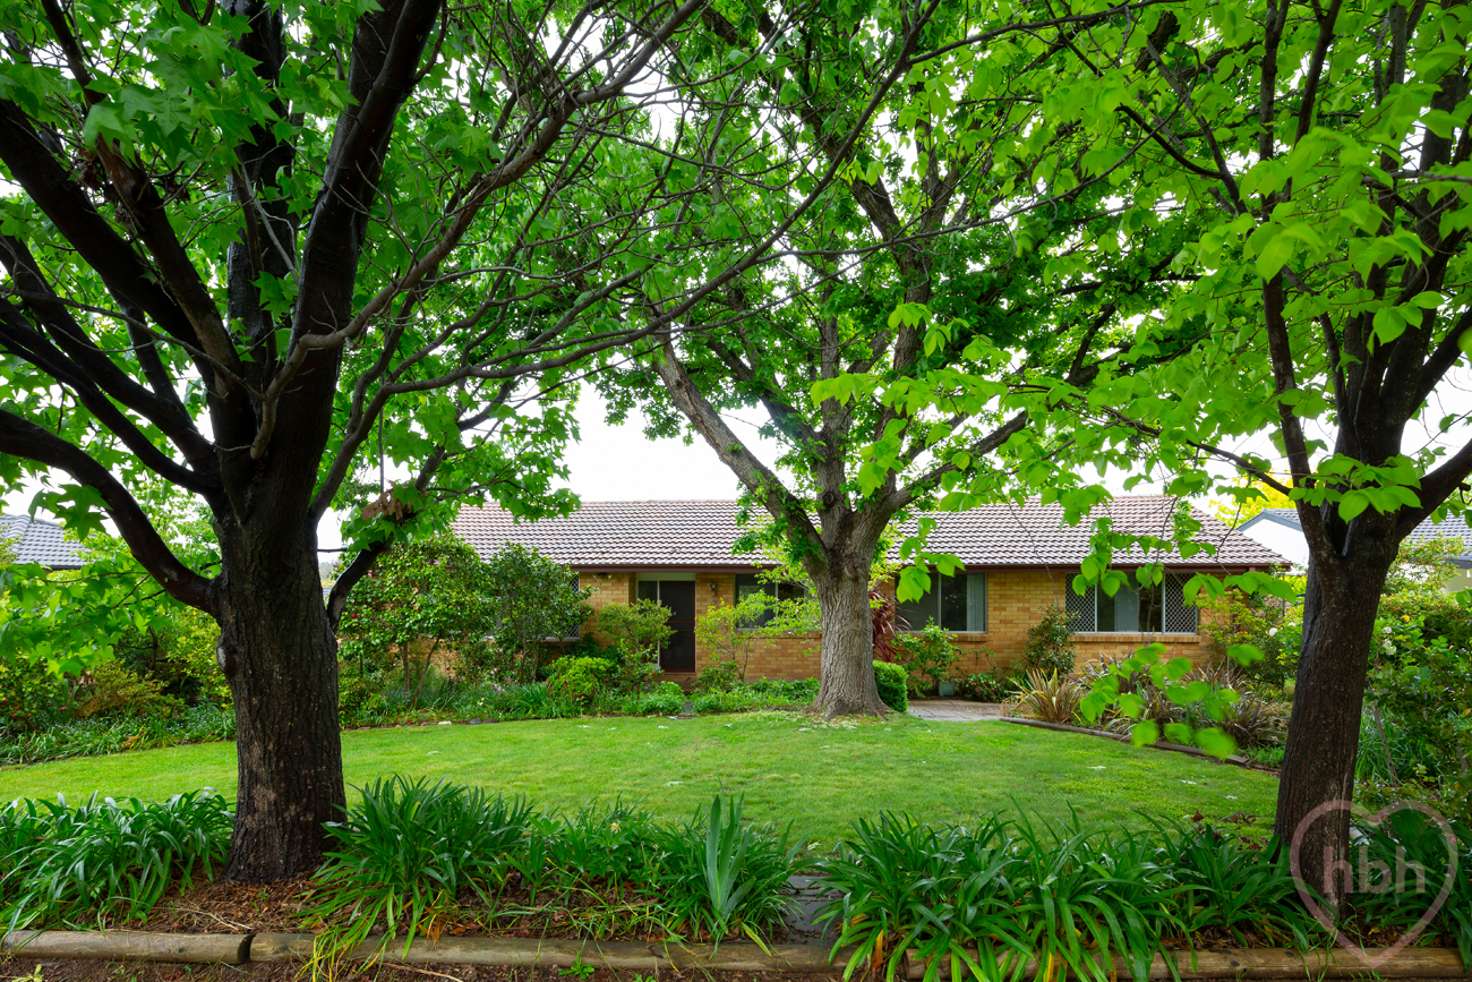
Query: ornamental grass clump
{"type": "Point", "coordinates": [407, 857]}
{"type": "Point", "coordinates": [1228, 892]}
{"type": "Point", "coordinates": [1009, 900]}
{"type": "Point", "coordinates": [1049, 697]}
{"type": "Point", "coordinates": [587, 873]}
{"type": "Point", "coordinates": [105, 862]}
{"type": "Point", "coordinates": [723, 876]}
{"type": "Point", "coordinates": [413, 858]}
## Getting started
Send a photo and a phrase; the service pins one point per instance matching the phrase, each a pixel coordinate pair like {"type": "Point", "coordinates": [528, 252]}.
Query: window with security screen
{"type": "Point", "coordinates": [1158, 609]}
{"type": "Point", "coordinates": [1083, 615]}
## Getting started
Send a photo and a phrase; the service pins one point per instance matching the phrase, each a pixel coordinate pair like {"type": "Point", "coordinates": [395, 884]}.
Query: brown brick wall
{"type": "Point", "coordinates": [1016, 600]}
{"type": "Point", "coordinates": [607, 588]}
{"type": "Point", "coordinates": [790, 657]}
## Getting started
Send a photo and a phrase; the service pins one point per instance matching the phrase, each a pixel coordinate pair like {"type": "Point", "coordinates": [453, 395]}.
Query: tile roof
{"type": "Point", "coordinates": [1451, 527]}
{"type": "Point", "coordinates": [31, 540]}
{"type": "Point", "coordinates": [701, 534]}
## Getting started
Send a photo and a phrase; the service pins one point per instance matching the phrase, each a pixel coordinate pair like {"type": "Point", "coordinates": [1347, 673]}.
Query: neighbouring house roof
{"type": "Point", "coordinates": [703, 534]}
{"type": "Point", "coordinates": [1451, 527]}
{"type": "Point", "coordinates": [31, 540]}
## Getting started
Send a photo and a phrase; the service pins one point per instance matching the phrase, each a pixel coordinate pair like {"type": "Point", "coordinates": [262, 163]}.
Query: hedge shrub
{"type": "Point", "coordinates": [580, 680]}
{"type": "Point", "coordinates": [893, 682]}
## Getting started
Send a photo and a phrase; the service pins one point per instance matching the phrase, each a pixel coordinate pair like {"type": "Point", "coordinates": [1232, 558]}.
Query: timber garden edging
{"type": "Point", "coordinates": [242, 949]}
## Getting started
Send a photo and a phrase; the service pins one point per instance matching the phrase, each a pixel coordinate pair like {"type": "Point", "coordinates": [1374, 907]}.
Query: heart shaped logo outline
{"type": "Point", "coordinates": [1372, 819]}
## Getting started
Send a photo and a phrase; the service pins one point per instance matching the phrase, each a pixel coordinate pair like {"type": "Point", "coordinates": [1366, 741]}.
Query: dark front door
{"type": "Point", "coordinates": [678, 654]}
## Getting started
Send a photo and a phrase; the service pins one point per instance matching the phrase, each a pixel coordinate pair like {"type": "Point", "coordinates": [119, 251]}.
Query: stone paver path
{"type": "Point", "coordinates": [955, 710]}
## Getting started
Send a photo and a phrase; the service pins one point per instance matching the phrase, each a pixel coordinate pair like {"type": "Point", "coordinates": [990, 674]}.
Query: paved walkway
{"type": "Point", "coordinates": [955, 710]}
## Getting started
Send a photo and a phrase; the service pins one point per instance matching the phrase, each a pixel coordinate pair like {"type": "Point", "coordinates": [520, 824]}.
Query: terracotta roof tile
{"type": "Point", "coordinates": [686, 534]}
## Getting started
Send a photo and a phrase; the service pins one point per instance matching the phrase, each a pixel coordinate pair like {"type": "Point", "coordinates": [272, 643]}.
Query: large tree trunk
{"type": "Point", "coordinates": [278, 651]}
{"type": "Point", "coordinates": [846, 680]}
{"type": "Point", "coordinates": [1316, 782]}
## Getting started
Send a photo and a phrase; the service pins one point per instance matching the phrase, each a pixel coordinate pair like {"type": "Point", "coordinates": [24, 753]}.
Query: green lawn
{"type": "Point", "coordinates": [790, 768]}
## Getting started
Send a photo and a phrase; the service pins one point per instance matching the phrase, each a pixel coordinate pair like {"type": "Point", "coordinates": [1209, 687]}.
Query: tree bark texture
{"type": "Point", "coordinates": [846, 679]}
{"type": "Point", "coordinates": [1323, 740]}
{"type": "Point", "coordinates": [279, 654]}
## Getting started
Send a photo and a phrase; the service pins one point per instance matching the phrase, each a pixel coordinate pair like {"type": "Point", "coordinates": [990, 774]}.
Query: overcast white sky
{"type": "Point", "coordinates": [618, 463]}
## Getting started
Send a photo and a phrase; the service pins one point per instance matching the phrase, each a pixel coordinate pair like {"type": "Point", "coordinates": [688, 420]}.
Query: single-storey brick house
{"type": "Point", "coordinates": [1019, 561]}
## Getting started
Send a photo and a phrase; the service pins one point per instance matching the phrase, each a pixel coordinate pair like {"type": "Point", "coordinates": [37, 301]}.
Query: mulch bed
{"type": "Point", "coordinates": [230, 907]}
{"type": "Point", "coordinates": [95, 971]}
{"type": "Point", "coordinates": [246, 908]}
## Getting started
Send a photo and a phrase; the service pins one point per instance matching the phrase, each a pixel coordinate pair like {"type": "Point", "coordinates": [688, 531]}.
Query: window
{"type": "Point", "coordinates": [749, 584]}
{"type": "Point", "coordinates": [956, 603]}
{"type": "Point", "coordinates": [1160, 609]}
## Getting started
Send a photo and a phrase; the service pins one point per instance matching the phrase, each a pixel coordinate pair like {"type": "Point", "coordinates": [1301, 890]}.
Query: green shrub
{"type": "Point", "coordinates": [1418, 733]}
{"type": "Point", "coordinates": [721, 676]}
{"type": "Point", "coordinates": [986, 686]}
{"type": "Point", "coordinates": [1409, 839]}
{"type": "Point", "coordinates": [532, 599]}
{"type": "Point", "coordinates": [759, 694]}
{"type": "Point", "coordinates": [1272, 626]}
{"type": "Point", "coordinates": [105, 861]}
{"type": "Point", "coordinates": [1253, 721]}
{"type": "Point", "coordinates": [586, 646]}
{"type": "Point", "coordinates": [419, 601]}
{"type": "Point", "coordinates": [178, 654]}
{"type": "Point", "coordinates": [665, 699]}
{"type": "Point", "coordinates": [1227, 889]}
{"type": "Point", "coordinates": [1049, 645]}
{"type": "Point", "coordinates": [31, 697]}
{"type": "Point", "coordinates": [580, 680]}
{"type": "Point", "coordinates": [87, 737]}
{"type": "Point", "coordinates": [110, 689]}
{"type": "Point", "coordinates": [893, 684]}
{"type": "Point", "coordinates": [637, 631]}
{"type": "Point", "coordinates": [927, 656]}
{"type": "Point", "coordinates": [728, 632]}
{"type": "Point", "coordinates": [533, 701]}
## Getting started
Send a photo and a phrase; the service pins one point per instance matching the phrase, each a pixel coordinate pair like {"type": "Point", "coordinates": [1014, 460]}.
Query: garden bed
{"type": "Point", "coordinates": [443, 865]}
{"type": "Point", "coordinates": [1180, 748]}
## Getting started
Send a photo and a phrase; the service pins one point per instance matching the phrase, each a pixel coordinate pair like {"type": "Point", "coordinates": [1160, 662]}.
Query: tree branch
{"type": "Point", "coordinates": [25, 439]}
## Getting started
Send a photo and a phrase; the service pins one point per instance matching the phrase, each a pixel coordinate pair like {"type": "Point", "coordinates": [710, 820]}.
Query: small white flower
{"type": "Point", "coordinates": [1192, 783]}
